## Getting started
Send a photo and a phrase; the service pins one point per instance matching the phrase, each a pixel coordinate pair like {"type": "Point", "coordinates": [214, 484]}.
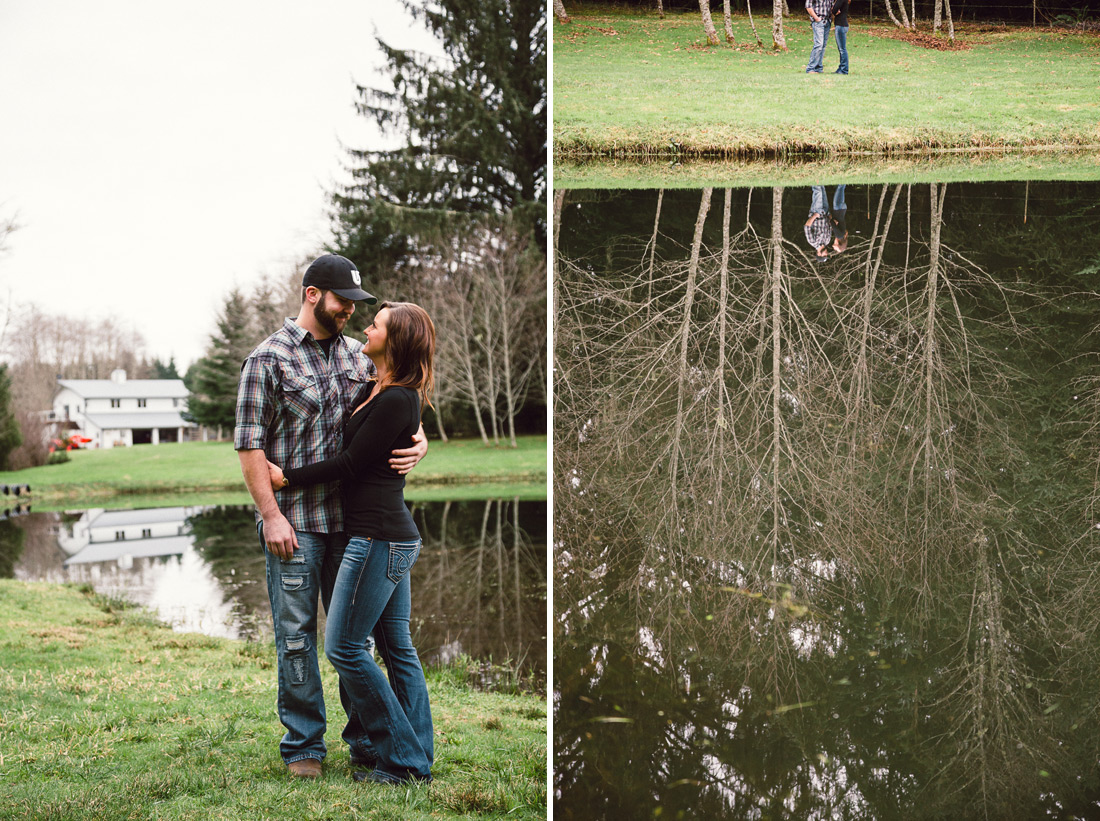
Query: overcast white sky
{"type": "Point", "coordinates": [157, 154]}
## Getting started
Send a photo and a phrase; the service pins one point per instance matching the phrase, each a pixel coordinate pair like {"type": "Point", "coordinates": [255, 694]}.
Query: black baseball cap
{"type": "Point", "coordinates": [332, 272]}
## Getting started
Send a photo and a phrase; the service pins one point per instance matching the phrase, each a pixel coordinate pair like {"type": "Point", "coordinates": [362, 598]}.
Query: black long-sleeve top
{"type": "Point", "coordinates": [374, 499]}
{"type": "Point", "coordinates": [839, 13]}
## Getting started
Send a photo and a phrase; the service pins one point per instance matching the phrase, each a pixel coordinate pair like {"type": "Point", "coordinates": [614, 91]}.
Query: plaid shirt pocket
{"type": "Point", "coordinates": [301, 396]}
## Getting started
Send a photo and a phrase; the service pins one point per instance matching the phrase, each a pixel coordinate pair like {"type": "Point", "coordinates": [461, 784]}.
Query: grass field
{"type": "Point", "coordinates": [991, 165]}
{"type": "Point", "coordinates": [629, 84]}
{"type": "Point", "coordinates": [459, 468]}
{"type": "Point", "coordinates": [106, 714]}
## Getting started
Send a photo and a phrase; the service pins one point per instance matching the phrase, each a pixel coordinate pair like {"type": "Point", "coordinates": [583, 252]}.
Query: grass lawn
{"type": "Point", "coordinates": [629, 84]}
{"type": "Point", "coordinates": [831, 169]}
{"type": "Point", "coordinates": [156, 471]}
{"type": "Point", "coordinates": [106, 714]}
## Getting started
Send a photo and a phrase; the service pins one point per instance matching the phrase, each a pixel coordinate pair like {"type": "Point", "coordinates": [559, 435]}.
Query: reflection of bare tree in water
{"type": "Point", "coordinates": [481, 573]}
{"type": "Point", "coordinates": [755, 440]}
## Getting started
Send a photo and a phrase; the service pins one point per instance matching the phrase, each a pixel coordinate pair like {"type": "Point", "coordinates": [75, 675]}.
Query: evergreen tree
{"type": "Point", "coordinates": [212, 381]}
{"type": "Point", "coordinates": [10, 435]}
{"type": "Point", "coordinates": [160, 370]}
{"type": "Point", "coordinates": [472, 126]}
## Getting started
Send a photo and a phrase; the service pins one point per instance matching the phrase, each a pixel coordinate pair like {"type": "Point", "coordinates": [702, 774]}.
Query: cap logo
{"type": "Point", "coordinates": [355, 278]}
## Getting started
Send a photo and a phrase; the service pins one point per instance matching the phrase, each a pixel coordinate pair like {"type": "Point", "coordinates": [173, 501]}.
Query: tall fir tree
{"type": "Point", "coordinates": [11, 436]}
{"type": "Point", "coordinates": [472, 126]}
{"type": "Point", "coordinates": [212, 380]}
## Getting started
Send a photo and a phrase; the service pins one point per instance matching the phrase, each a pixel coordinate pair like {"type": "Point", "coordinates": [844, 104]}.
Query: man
{"type": "Point", "coordinates": [818, 229]}
{"type": "Point", "coordinates": [296, 391]}
{"type": "Point", "coordinates": [820, 11]}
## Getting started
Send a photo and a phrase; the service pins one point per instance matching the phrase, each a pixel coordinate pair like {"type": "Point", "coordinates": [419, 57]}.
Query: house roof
{"type": "Point", "coordinates": [131, 388]}
{"type": "Point", "coordinates": [141, 516]}
{"type": "Point", "coordinates": [137, 419]}
{"type": "Point", "coordinates": [138, 548]}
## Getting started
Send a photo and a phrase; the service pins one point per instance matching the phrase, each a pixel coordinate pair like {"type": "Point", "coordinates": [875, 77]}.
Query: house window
{"type": "Point", "coordinates": [116, 403]}
{"type": "Point", "coordinates": [141, 403]}
{"type": "Point", "coordinates": [120, 535]}
{"type": "Point", "coordinates": [146, 533]}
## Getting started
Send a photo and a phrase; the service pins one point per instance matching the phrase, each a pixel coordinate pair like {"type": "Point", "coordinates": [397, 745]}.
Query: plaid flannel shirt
{"type": "Point", "coordinates": [819, 232]}
{"type": "Point", "coordinates": [822, 7]}
{"type": "Point", "coordinates": [292, 403]}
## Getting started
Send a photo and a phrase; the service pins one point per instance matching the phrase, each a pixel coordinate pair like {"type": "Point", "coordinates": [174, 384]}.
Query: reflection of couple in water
{"type": "Point", "coordinates": [827, 231]}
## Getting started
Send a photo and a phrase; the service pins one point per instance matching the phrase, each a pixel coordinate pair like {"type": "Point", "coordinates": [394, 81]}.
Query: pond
{"type": "Point", "coordinates": [827, 531]}
{"type": "Point", "coordinates": [479, 586]}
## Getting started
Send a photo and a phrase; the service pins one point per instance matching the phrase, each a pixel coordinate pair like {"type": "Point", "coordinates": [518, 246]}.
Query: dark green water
{"type": "Point", "coordinates": [827, 534]}
{"type": "Point", "coordinates": [479, 585]}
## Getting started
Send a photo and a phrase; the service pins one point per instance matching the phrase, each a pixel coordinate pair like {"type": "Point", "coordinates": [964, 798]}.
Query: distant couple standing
{"type": "Point", "coordinates": [827, 232]}
{"type": "Point", "coordinates": [824, 13]}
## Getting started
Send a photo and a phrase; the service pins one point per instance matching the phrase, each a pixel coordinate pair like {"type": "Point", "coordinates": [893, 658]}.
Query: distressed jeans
{"type": "Point", "coordinates": [817, 53]}
{"type": "Point", "coordinates": [293, 586]}
{"type": "Point", "coordinates": [373, 592]}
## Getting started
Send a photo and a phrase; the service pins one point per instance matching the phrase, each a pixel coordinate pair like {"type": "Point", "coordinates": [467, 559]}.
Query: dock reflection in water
{"type": "Point", "coordinates": [479, 587]}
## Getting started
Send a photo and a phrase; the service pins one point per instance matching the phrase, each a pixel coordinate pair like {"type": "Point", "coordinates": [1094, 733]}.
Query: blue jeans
{"type": "Point", "coordinates": [842, 46]}
{"type": "Point", "coordinates": [818, 200]}
{"type": "Point", "coordinates": [817, 54]}
{"type": "Point", "coordinates": [293, 586]}
{"type": "Point", "coordinates": [838, 195]}
{"type": "Point", "coordinates": [373, 593]}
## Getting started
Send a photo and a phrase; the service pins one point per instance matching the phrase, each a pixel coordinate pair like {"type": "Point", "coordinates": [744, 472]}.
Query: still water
{"type": "Point", "coordinates": [827, 522]}
{"type": "Point", "coordinates": [479, 585]}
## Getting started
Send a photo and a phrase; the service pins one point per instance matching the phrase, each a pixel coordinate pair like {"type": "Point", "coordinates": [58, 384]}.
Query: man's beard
{"type": "Point", "coordinates": [325, 319]}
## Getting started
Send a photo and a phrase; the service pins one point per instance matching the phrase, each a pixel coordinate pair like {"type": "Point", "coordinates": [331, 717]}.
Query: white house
{"type": "Point", "coordinates": [124, 535]}
{"type": "Point", "coordinates": [122, 412]}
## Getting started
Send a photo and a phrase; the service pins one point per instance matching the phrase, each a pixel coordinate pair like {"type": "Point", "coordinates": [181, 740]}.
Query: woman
{"type": "Point", "coordinates": [839, 15]}
{"type": "Point", "coordinates": [372, 591]}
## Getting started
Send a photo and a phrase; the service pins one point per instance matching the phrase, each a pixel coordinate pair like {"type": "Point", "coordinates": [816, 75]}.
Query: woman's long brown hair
{"type": "Point", "coordinates": [410, 348]}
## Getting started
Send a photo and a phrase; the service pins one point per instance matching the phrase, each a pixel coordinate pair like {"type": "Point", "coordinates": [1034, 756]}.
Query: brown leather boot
{"type": "Point", "coordinates": [305, 768]}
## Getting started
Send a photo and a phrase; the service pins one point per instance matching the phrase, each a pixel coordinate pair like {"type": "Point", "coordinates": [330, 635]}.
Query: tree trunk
{"type": "Point", "coordinates": [950, 22]}
{"type": "Point", "coordinates": [708, 24]}
{"type": "Point", "coordinates": [559, 11]}
{"type": "Point", "coordinates": [661, 8]}
{"type": "Point", "coordinates": [439, 426]}
{"type": "Point", "coordinates": [653, 256]}
{"type": "Point", "coordinates": [937, 16]}
{"type": "Point", "coordinates": [748, 7]}
{"type": "Point", "coordinates": [722, 424]}
{"type": "Point", "coordinates": [893, 17]}
{"type": "Point", "coordinates": [728, 18]}
{"type": "Point", "coordinates": [779, 42]}
{"type": "Point", "coordinates": [776, 288]}
{"type": "Point", "coordinates": [904, 15]}
{"type": "Point", "coordinates": [685, 335]}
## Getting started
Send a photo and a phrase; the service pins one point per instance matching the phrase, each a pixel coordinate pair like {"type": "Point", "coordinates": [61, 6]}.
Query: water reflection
{"type": "Point", "coordinates": [825, 530]}
{"type": "Point", "coordinates": [479, 588]}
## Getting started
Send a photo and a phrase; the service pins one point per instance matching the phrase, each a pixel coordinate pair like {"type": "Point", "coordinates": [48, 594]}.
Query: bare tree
{"type": "Point", "coordinates": [779, 42]}
{"type": "Point", "coordinates": [752, 22]}
{"type": "Point", "coordinates": [904, 21]}
{"type": "Point", "coordinates": [728, 19]}
{"type": "Point", "coordinates": [486, 292]}
{"type": "Point", "coordinates": [708, 24]}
